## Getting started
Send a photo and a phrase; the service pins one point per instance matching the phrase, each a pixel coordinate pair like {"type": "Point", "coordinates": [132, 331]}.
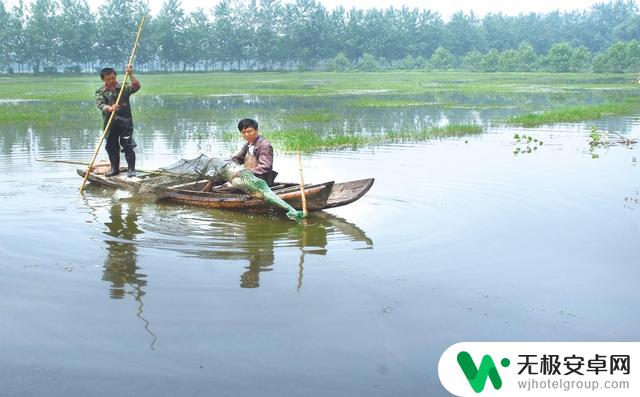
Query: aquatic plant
{"type": "Point", "coordinates": [526, 144]}
{"type": "Point", "coordinates": [574, 114]}
{"type": "Point", "coordinates": [306, 140]}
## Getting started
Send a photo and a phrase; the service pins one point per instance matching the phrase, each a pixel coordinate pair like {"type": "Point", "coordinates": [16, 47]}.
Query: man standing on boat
{"type": "Point", "coordinates": [121, 129]}
{"type": "Point", "coordinates": [257, 153]}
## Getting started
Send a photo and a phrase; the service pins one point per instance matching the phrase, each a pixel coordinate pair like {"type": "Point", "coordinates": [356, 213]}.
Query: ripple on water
{"type": "Point", "coordinates": [220, 234]}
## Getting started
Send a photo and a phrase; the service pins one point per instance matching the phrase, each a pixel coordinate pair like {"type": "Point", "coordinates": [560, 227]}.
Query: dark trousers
{"type": "Point", "coordinates": [121, 137]}
{"type": "Point", "coordinates": [269, 177]}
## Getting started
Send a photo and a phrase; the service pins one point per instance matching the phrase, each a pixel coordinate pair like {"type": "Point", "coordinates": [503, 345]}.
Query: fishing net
{"type": "Point", "coordinates": [219, 171]}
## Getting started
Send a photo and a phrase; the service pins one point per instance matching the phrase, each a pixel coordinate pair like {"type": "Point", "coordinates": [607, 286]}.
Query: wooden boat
{"type": "Point", "coordinates": [319, 196]}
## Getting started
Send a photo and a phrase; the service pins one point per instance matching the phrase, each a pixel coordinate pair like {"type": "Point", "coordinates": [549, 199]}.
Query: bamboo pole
{"type": "Point", "coordinates": [302, 193]}
{"type": "Point", "coordinates": [159, 172]}
{"type": "Point", "coordinates": [106, 128]}
{"type": "Point", "coordinates": [62, 162]}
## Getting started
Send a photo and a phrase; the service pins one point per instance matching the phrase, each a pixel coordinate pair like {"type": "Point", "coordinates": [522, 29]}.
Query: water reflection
{"type": "Point", "coordinates": [217, 235]}
{"type": "Point", "coordinates": [256, 239]}
{"type": "Point", "coordinates": [120, 266]}
{"type": "Point", "coordinates": [173, 123]}
{"type": "Point", "coordinates": [309, 237]}
{"type": "Point", "coordinates": [632, 201]}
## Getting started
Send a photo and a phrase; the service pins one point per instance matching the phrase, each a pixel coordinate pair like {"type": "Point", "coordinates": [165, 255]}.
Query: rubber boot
{"type": "Point", "coordinates": [131, 164]}
{"type": "Point", "coordinates": [114, 159]}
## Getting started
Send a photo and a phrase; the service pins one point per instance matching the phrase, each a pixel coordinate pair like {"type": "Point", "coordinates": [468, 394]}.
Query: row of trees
{"type": "Point", "coordinates": [561, 57]}
{"type": "Point", "coordinates": [47, 35]}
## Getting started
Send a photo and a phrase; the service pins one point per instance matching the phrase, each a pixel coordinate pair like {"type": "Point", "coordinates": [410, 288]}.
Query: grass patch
{"type": "Point", "coordinates": [305, 140]}
{"type": "Point", "coordinates": [46, 114]}
{"type": "Point", "coordinates": [574, 114]}
{"type": "Point", "coordinates": [328, 97]}
{"type": "Point", "coordinates": [316, 83]}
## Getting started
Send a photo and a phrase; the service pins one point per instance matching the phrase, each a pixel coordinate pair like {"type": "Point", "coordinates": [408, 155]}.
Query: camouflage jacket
{"type": "Point", "coordinates": [106, 97]}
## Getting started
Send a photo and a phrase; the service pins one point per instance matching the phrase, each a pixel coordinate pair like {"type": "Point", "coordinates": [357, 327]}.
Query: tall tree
{"type": "Point", "coordinates": [119, 21]}
{"type": "Point", "coordinates": [306, 26]}
{"type": "Point", "coordinates": [429, 33]}
{"type": "Point", "coordinates": [225, 43]}
{"type": "Point", "coordinates": [171, 26]}
{"type": "Point", "coordinates": [17, 44]}
{"type": "Point", "coordinates": [78, 32]}
{"type": "Point", "coordinates": [464, 33]}
{"type": "Point", "coordinates": [42, 35]}
{"type": "Point", "coordinates": [499, 31]}
{"type": "Point", "coordinates": [5, 48]}
{"type": "Point", "coordinates": [604, 17]}
{"type": "Point", "coordinates": [196, 38]}
{"type": "Point", "coordinates": [268, 24]}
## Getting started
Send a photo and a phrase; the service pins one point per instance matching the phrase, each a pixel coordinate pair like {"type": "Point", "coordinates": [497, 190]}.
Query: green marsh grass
{"type": "Point", "coordinates": [46, 114]}
{"type": "Point", "coordinates": [306, 140]}
{"type": "Point", "coordinates": [192, 85]}
{"type": "Point", "coordinates": [574, 114]}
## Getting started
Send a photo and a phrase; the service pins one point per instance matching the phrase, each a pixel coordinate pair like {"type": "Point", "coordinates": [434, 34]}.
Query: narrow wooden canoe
{"type": "Point", "coordinates": [319, 196]}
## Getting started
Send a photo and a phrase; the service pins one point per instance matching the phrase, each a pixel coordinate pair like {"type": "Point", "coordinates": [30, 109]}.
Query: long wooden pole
{"type": "Point", "coordinates": [106, 128]}
{"type": "Point", "coordinates": [302, 193]}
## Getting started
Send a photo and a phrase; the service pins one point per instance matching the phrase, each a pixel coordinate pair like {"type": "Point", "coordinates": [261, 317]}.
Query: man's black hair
{"type": "Point", "coordinates": [106, 71]}
{"type": "Point", "coordinates": [247, 123]}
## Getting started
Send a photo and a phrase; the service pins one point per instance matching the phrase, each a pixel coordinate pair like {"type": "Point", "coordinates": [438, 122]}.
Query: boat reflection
{"type": "Point", "coordinates": [258, 238]}
{"type": "Point", "coordinates": [216, 236]}
{"type": "Point", "coordinates": [310, 237]}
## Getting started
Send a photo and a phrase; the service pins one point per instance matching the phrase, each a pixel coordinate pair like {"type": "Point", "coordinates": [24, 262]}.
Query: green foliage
{"type": "Point", "coordinates": [196, 85]}
{"type": "Point", "coordinates": [527, 57]}
{"type": "Point", "coordinates": [78, 31]}
{"type": "Point", "coordinates": [408, 63]}
{"type": "Point", "coordinates": [490, 61]}
{"type": "Point", "coordinates": [338, 64]}
{"type": "Point", "coordinates": [595, 138]}
{"type": "Point", "coordinates": [472, 61]}
{"type": "Point", "coordinates": [368, 63]}
{"type": "Point", "coordinates": [580, 59]}
{"type": "Point", "coordinates": [509, 61]}
{"type": "Point", "coordinates": [558, 59]}
{"type": "Point", "coordinates": [526, 144]}
{"type": "Point", "coordinates": [442, 59]}
{"type": "Point", "coordinates": [463, 34]}
{"type": "Point", "coordinates": [629, 29]}
{"type": "Point", "coordinates": [304, 35]}
{"type": "Point", "coordinates": [620, 57]}
{"type": "Point", "coordinates": [5, 47]}
{"type": "Point", "coordinates": [306, 140]}
{"type": "Point", "coordinates": [574, 114]}
{"type": "Point", "coordinates": [384, 63]}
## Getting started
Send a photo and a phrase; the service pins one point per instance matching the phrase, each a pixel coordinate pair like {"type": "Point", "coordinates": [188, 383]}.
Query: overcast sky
{"type": "Point", "coordinates": [445, 7]}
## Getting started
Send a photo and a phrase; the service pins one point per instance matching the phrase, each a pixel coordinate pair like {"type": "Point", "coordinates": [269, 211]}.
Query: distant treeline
{"type": "Point", "coordinates": [49, 36]}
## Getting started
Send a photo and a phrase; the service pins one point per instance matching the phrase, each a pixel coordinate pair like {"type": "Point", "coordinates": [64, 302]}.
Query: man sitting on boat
{"type": "Point", "coordinates": [257, 153]}
{"type": "Point", "coordinates": [121, 129]}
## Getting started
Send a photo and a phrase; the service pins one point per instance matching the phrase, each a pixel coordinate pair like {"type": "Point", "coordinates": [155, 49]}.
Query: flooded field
{"type": "Point", "coordinates": [476, 238]}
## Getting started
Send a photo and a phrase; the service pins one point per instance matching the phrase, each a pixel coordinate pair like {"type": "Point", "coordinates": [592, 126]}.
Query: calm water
{"type": "Point", "coordinates": [458, 240]}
